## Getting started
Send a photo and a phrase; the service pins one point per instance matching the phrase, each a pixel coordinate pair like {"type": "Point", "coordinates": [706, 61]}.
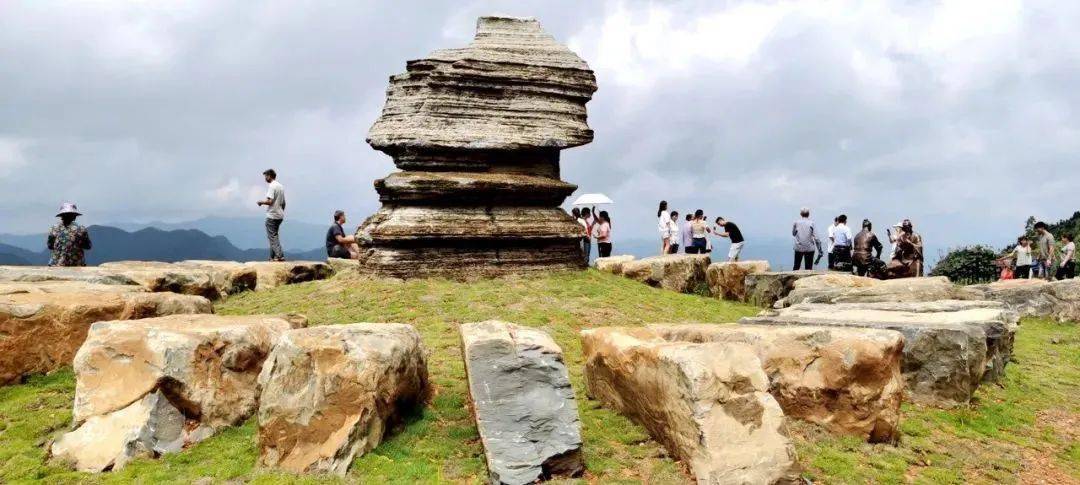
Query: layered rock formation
{"type": "Point", "coordinates": [709, 404]}
{"type": "Point", "coordinates": [332, 393]}
{"type": "Point", "coordinates": [683, 273]}
{"type": "Point", "coordinates": [477, 132]}
{"type": "Point", "coordinates": [152, 386]}
{"type": "Point", "coordinates": [42, 325]}
{"type": "Point", "coordinates": [727, 280]}
{"type": "Point", "coordinates": [522, 402]}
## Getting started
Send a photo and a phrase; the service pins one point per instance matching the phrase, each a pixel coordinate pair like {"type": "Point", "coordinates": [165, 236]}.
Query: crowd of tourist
{"type": "Point", "coordinates": [692, 235]}
{"type": "Point", "coordinates": [594, 225]}
{"type": "Point", "coordinates": [1036, 259]}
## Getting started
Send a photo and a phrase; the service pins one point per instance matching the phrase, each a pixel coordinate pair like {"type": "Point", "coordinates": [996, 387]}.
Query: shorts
{"type": "Point", "coordinates": [735, 250]}
{"type": "Point", "coordinates": [338, 251]}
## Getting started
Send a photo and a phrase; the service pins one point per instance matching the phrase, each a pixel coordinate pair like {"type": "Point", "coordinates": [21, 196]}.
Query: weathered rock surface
{"type": "Point", "coordinates": [477, 132]}
{"type": "Point", "coordinates": [42, 325]}
{"type": "Point", "coordinates": [1059, 300]}
{"type": "Point", "coordinates": [211, 279]}
{"type": "Point", "coordinates": [683, 273]}
{"type": "Point", "coordinates": [275, 274]}
{"type": "Point", "coordinates": [343, 266]}
{"type": "Point", "coordinates": [522, 402]}
{"type": "Point", "coordinates": [727, 280]}
{"type": "Point", "coordinates": [845, 288]}
{"type": "Point", "coordinates": [332, 393]}
{"type": "Point", "coordinates": [152, 386]}
{"type": "Point", "coordinates": [613, 264]}
{"type": "Point", "coordinates": [708, 404]}
{"type": "Point", "coordinates": [847, 380]}
{"type": "Point", "coordinates": [85, 274]}
{"type": "Point", "coordinates": [765, 289]}
{"type": "Point", "coordinates": [946, 354]}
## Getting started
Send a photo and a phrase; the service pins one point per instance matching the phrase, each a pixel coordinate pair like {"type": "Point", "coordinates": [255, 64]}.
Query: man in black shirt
{"type": "Point", "coordinates": [729, 230]}
{"type": "Point", "coordinates": [338, 245]}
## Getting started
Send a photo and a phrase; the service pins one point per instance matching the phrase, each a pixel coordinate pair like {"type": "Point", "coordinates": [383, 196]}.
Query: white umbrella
{"type": "Point", "coordinates": [592, 199]}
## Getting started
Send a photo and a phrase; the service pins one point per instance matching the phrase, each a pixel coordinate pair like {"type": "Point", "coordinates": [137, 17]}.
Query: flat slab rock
{"type": "Point", "coordinates": [847, 380]}
{"type": "Point", "coordinates": [682, 273]}
{"type": "Point", "coordinates": [332, 393]}
{"type": "Point", "coordinates": [946, 354]}
{"type": "Point", "coordinates": [522, 402]}
{"type": "Point", "coordinates": [271, 274]}
{"type": "Point", "coordinates": [153, 386]}
{"type": "Point", "coordinates": [44, 324]}
{"type": "Point", "coordinates": [613, 264]}
{"type": "Point", "coordinates": [1059, 300]}
{"type": "Point", "coordinates": [846, 288]}
{"type": "Point", "coordinates": [767, 288]}
{"type": "Point", "coordinates": [209, 279]}
{"type": "Point", "coordinates": [727, 280]}
{"type": "Point", "coordinates": [708, 404]}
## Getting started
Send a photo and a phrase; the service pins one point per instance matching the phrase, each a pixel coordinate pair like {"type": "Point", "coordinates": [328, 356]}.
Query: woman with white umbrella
{"type": "Point", "coordinates": [588, 219]}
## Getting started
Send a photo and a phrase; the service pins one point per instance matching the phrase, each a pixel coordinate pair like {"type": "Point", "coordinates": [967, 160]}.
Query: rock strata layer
{"type": "Point", "coordinates": [152, 386]}
{"type": "Point", "coordinates": [708, 404]}
{"type": "Point", "coordinates": [683, 273]}
{"type": "Point", "coordinates": [765, 289]}
{"type": "Point", "coordinates": [522, 402]}
{"type": "Point", "coordinates": [727, 280]}
{"type": "Point", "coordinates": [332, 393]}
{"type": "Point", "coordinates": [477, 132]}
{"type": "Point", "coordinates": [946, 353]}
{"type": "Point", "coordinates": [42, 325]}
{"type": "Point", "coordinates": [1059, 300]}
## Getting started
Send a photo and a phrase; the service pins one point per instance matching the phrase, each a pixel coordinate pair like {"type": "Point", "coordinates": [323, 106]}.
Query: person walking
{"type": "Point", "coordinates": [806, 241]}
{"type": "Point", "coordinates": [663, 224]}
{"type": "Point", "coordinates": [67, 240]}
{"type": "Point", "coordinates": [275, 213]}
{"type": "Point", "coordinates": [1067, 270]}
{"type": "Point", "coordinates": [1044, 246]}
{"type": "Point", "coordinates": [864, 246]}
{"type": "Point", "coordinates": [1022, 260]}
{"type": "Point", "coordinates": [603, 235]}
{"type": "Point", "coordinates": [728, 229]}
{"type": "Point", "coordinates": [338, 245]}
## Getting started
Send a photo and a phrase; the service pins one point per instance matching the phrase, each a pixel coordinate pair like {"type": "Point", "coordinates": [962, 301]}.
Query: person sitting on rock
{"type": "Point", "coordinates": [67, 240]}
{"type": "Point", "coordinates": [338, 245]}
{"type": "Point", "coordinates": [865, 245]}
{"type": "Point", "coordinates": [908, 261]}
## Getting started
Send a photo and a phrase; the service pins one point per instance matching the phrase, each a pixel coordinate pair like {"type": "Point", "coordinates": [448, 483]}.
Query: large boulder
{"type": "Point", "coordinates": [274, 274]}
{"type": "Point", "coordinates": [85, 274]}
{"type": "Point", "coordinates": [43, 324]}
{"type": "Point", "coordinates": [331, 393]}
{"type": "Point", "coordinates": [522, 402]}
{"type": "Point", "coordinates": [683, 273]}
{"type": "Point", "coordinates": [1059, 300]}
{"type": "Point", "coordinates": [152, 386]}
{"type": "Point", "coordinates": [211, 279]}
{"type": "Point", "coordinates": [727, 280]}
{"type": "Point", "coordinates": [613, 264]}
{"type": "Point", "coordinates": [708, 404]}
{"type": "Point", "coordinates": [946, 354]}
{"type": "Point", "coordinates": [846, 288]}
{"type": "Point", "coordinates": [765, 289]}
{"type": "Point", "coordinates": [343, 266]}
{"type": "Point", "coordinates": [845, 379]}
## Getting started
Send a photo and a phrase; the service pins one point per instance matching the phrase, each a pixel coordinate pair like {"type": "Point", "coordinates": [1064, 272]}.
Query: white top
{"type": "Point", "coordinates": [276, 193]}
{"type": "Point", "coordinates": [842, 235]}
{"type": "Point", "coordinates": [1023, 255]}
{"type": "Point", "coordinates": [1068, 252]}
{"type": "Point", "coordinates": [832, 234]}
{"type": "Point", "coordinates": [664, 225]}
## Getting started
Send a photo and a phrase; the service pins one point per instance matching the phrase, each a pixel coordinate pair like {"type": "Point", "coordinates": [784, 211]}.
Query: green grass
{"type": "Point", "coordinates": [984, 443]}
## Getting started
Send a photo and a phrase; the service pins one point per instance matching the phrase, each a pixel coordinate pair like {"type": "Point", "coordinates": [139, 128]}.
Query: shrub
{"type": "Point", "coordinates": [968, 265]}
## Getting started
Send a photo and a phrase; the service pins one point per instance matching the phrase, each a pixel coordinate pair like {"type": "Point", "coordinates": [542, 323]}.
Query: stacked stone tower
{"type": "Point", "coordinates": [477, 132]}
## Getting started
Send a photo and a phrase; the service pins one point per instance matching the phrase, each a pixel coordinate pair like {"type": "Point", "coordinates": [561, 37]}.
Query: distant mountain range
{"type": "Point", "coordinates": [244, 232]}
{"type": "Point", "coordinates": [148, 244]}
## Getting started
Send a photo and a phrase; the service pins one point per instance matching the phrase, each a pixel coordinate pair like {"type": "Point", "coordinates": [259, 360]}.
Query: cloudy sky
{"type": "Point", "coordinates": [962, 115]}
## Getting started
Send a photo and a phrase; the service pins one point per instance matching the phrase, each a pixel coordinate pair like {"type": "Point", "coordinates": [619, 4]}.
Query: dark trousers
{"type": "Point", "coordinates": [604, 248]}
{"type": "Point", "coordinates": [586, 245]}
{"type": "Point", "coordinates": [272, 228]}
{"type": "Point", "coordinates": [697, 246]}
{"type": "Point", "coordinates": [673, 249]}
{"type": "Point", "coordinates": [1022, 271]}
{"type": "Point", "coordinates": [800, 256]}
{"type": "Point", "coordinates": [861, 269]}
{"type": "Point", "coordinates": [1067, 271]}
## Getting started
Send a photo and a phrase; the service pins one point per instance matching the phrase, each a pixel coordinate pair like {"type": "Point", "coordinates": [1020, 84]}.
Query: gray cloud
{"type": "Point", "coordinates": [962, 116]}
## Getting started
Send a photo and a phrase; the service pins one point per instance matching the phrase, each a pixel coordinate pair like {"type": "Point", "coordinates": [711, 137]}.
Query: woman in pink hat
{"type": "Point", "coordinates": [68, 241]}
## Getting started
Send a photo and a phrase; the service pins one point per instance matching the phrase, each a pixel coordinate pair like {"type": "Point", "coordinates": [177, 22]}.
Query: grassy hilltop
{"type": "Point", "coordinates": [1026, 429]}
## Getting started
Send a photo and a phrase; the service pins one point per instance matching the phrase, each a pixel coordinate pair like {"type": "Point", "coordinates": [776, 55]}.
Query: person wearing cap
{"type": "Point", "coordinates": [338, 245]}
{"type": "Point", "coordinates": [274, 200]}
{"type": "Point", "coordinates": [67, 240]}
{"type": "Point", "coordinates": [908, 261]}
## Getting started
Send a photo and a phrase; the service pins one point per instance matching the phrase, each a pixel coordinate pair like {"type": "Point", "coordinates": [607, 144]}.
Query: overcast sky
{"type": "Point", "coordinates": [960, 115]}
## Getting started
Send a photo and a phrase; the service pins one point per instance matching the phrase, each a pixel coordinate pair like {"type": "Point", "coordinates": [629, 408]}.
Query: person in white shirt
{"type": "Point", "coordinates": [830, 232]}
{"type": "Point", "coordinates": [664, 226]}
{"type": "Point", "coordinates": [275, 213]}
{"type": "Point", "coordinates": [841, 242]}
{"type": "Point", "coordinates": [1021, 254]}
{"type": "Point", "coordinates": [1067, 270]}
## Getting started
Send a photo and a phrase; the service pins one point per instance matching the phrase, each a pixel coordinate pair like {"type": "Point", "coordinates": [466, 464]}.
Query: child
{"type": "Point", "coordinates": [1022, 254]}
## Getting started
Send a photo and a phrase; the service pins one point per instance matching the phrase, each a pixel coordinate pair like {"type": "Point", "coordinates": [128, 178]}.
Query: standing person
{"type": "Point", "coordinates": [841, 237]}
{"type": "Point", "coordinates": [663, 224]}
{"type": "Point", "coordinates": [1044, 245]}
{"type": "Point", "coordinates": [675, 231]}
{"type": "Point", "coordinates": [806, 240]}
{"type": "Point", "coordinates": [275, 213]}
{"type": "Point", "coordinates": [1067, 270]}
{"type": "Point", "coordinates": [831, 232]}
{"type": "Point", "coordinates": [67, 240]}
{"type": "Point", "coordinates": [587, 221]}
{"type": "Point", "coordinates": [603, 235]}
{"type": "Point", "coordinates": [576, 214]}
{"type": "Point", "coordinates": [699, 231]}
{"type": "Point", "coordinates": [1021, 256]}
{"type": "Point", "coordinates": [685, 238]}
{"type": "Point", "coordinates": [728, 229]}
{"type": "Point", "coordinates": [338, 245]}
{"type": "Point", "coordinates": [864, 245]}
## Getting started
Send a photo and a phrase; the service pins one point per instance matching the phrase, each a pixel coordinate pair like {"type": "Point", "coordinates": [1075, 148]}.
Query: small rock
{"type": "Point", "coordinates": [682, 273]}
